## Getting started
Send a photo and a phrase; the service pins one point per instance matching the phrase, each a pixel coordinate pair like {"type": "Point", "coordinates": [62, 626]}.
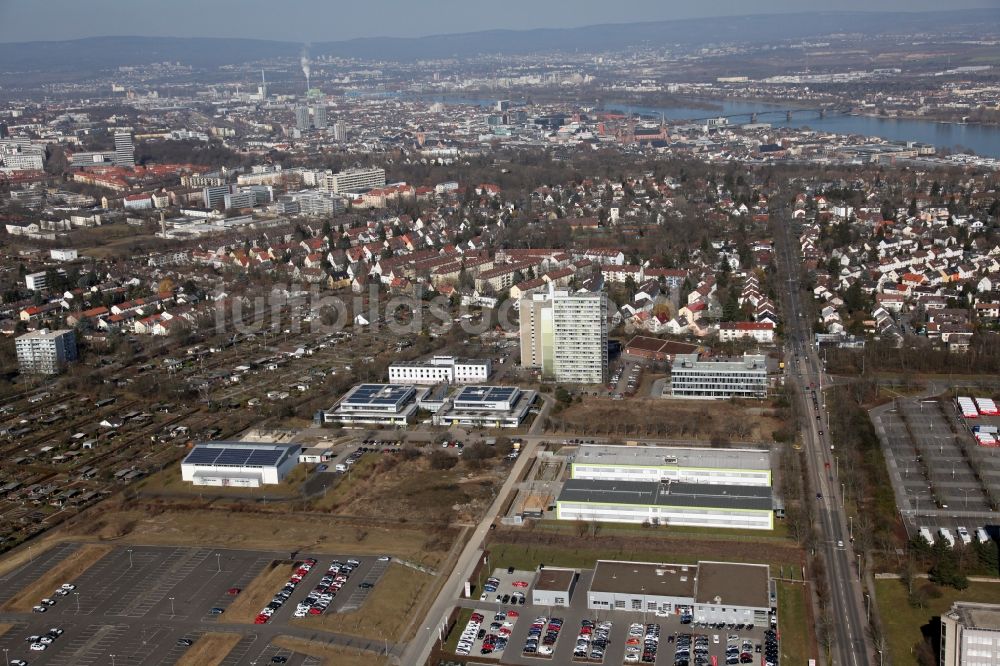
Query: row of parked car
{"type": "Point", "coordinates": [738, 651]}
{"type": "Point", "coordinates": [39, 643]}
{"type": "Point", "coordinates": [542, 636]}
{"type": "Point", "coordinates": [468, 637]}
{"type": "Point", "coordinates": [592, 640]}
{"type": "Point", "coordinates": [319, 599]}
{"type": "Point", "coordinates": [770, 648]}
{"type": "Point", "coordinates": [692, 650]}
{"type": "Point", "coordinates": [46, 603]}
{"type": "Point", "coordinates": [301, 570]}
{"type": "Point", "coordinates": [642, 643]}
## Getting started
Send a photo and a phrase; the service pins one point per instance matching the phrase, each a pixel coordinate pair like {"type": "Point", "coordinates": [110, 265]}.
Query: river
{"type": "Point", "coordinates": [983, 139]}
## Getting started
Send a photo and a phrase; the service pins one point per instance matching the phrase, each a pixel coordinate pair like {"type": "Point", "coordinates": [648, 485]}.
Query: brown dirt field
{"type": "Point", "coordinates": [571, 550]}
{"type": "Point", "coordinates": [4, 628]}
{"type": "Point", "coordinates": [209, 650]}
{"type": "Point", "coordinates": [261, 531]}
{"type": "Point", "coordinates": [331, 655]}
{"type": "Point", "coordinates": [63, 572]}
{"type": "Point", "coordinates": [744, 421]}
{"type": "Point", "coordinates": [259, 592]}
{"type": "Point", "coordinates": [384, 613]}
{"type": "Point", "coordinates": [385, 486]}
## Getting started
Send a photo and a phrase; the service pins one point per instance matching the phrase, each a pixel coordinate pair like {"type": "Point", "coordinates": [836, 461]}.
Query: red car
{"type": "Point", "coordinates": [233, 591]}
{"type": "Point", "coordinates": [520, 583]}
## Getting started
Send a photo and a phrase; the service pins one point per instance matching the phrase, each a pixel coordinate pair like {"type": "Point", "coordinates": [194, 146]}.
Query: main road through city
{"type": "Point", "coordinates": [849, 644]}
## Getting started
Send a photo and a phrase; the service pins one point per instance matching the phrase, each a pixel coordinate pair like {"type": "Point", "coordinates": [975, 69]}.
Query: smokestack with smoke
{"type": "Point", "coordinates": [304, 62]}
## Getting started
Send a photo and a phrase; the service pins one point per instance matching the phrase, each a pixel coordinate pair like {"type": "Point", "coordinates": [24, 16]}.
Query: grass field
{"type": "Point", "coordinates": [209, 650]}
{"type": "Point", "coordinates": [456, 632]}
{"type": "Point", "coordinates": [332, 655]}
{"type": "Point", "coordinates": [385, 613]}
{"type": "Point", "coordinates": [259, 592]}
{"type": "Point", "coordinates": [65, 571]}
{"type": "Point", "coordinates": [796, 629]}
{"type": "Point", "coordinates": [584, 553]}
{"type": "Point", "coordinates": [279, 532]}
{"type": "Point", "coordinates": [168, 482]}
{"type": "Point", "coordinates": [903, 623]}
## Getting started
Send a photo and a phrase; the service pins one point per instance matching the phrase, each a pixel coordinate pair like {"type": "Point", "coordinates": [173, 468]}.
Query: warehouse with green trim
{"type": "Point", "coordinates": [737, 467]}
{"type": "Point", "coordinates": [666, 503]}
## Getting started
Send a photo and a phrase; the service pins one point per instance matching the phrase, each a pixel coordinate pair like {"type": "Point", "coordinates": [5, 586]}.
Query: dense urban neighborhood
{"type": "Point", "coordinates": [673, 344]}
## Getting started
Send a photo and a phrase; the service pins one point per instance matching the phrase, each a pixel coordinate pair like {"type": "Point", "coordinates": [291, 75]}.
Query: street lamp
{"type": "Point", "coordinates": [77, 595]}
{"type": "Point", "coordinates": [6, 656]}
{"type": "Point", "coordinates": [129, 558]}
{"type": "Point", "coordinates": [112, 660]}
{"type": "Point", "coordinates": [171, 606]}
{"type": "Point", "coordinates": [218, 564]}
{"type": "Point", "coordinates": [868, 608]}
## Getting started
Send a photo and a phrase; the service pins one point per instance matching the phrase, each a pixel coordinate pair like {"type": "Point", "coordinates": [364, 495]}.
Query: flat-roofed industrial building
{"type": "Point", "coordinates": [654, 503]}
{"type": "Point", "coordinates": [553, 587]}
{"type": "Point", "coordinates": [239, 464]}
{"type": "Point", "coordinates": [706, 592]}
{"type": "Point", "coordinates": [738, 467]}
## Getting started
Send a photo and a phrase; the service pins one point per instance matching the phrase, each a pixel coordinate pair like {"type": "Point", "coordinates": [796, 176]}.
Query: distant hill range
{"type": "Point", "coordinates": [103, 52]}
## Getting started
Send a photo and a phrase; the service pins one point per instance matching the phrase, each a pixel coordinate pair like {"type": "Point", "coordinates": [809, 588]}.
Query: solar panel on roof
{"type": "Point", "coordinates": [264, 458]}
{"type": "Point", "coordinates": [202, 456]}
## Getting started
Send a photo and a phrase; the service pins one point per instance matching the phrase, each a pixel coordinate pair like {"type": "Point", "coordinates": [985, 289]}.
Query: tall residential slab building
{"type": "Point", "coordinates": [302, 120]}
{"type": "Point", "coordinates": [355, 180]}
{"type": "Point", "coordinates": [124, 150]}
{"type": "Point", "coordinates": [565, 335]}
{"type": "Point", "coordinates": [45, 352]}
{"type": "Point", "coordinates": [319, 117]}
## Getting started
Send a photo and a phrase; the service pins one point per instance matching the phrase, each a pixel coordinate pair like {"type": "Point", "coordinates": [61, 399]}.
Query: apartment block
{"type": "Point", "coordinates": [565, 335]}
{"type": "Point", "coordinates": [45, 352]}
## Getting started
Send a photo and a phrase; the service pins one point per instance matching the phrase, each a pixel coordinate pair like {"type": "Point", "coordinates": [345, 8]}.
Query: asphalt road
{"type": "Point", "coordinates": [849, 645]}
{"type": "Point", "coordinates": [419, 648]}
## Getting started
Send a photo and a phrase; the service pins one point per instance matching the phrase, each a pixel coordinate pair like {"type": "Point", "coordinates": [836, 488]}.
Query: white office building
{"type": "Point", "coordinates": [737, 467]}
{"type": "Point", "coordinates": [692, 378]}
{"type": "Point", "coordinates": [45, 352]}
{"type": "Point", "coordinates": [565, 335]}
{"type": "Point", "coordinates": [241, 199]}
{"type": "Point", "coordinates": [355, 180]}
{"type": "Point", "coordinates": [441, 369]}
{"type": "Point", "coordinates": [374, 404]}
{"type": "Point", "coordinates": [486, 407]}
{"type": "Point", "coordinates": [239, 464]}
{"type": "Point", "coordinates": [970, 635]}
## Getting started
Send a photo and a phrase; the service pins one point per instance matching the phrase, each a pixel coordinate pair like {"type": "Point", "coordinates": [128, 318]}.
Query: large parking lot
{"type": "Point", "coordinates": [934, 462]}
{"type": "Point", "coordinates": [573, 629]}
{"type": "Point", "coordinates": [138, 602]}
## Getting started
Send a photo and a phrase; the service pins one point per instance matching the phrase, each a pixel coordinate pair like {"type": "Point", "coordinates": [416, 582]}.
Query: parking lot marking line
{"type": "Point", "coordinates": [20, 577]}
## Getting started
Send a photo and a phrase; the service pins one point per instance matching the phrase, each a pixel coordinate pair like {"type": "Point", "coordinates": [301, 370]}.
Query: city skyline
{"type": "Point", "coordinates": [313, 21]}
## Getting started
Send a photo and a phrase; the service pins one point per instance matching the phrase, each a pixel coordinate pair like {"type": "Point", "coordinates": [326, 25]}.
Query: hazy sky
{"type": "Point", "coordinates": [330, 20]}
